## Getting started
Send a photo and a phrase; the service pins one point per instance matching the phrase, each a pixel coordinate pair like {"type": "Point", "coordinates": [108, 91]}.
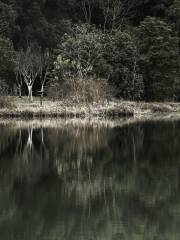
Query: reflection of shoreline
{"type": "Point", "coordinates": [95, 122]}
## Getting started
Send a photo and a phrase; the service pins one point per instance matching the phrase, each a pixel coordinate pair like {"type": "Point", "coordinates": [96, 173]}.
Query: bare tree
{"type": "Point", "coordinates": [115, 12]}
{"type": "Point", "coordinates": [29, 67]}
{"type": "Point", "coordinates": [87, 7]}
{"type": "Point", "coordinates": [112, 12]}
{"type": "Point", "coordinates": [106, 12]}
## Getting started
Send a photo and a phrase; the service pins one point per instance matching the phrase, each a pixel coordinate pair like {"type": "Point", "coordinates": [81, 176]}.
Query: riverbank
{"type": "Point", "coordinates": [22, 108]}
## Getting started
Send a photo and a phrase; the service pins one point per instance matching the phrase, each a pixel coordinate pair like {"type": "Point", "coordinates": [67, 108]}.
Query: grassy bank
{"type": "Point", "coordinates": [23, 108]}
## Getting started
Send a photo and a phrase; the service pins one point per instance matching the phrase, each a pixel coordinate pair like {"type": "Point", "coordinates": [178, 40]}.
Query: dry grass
{"type": "Point", "coordinates": [23, 108]}
{"type": "Point", "coordinates": [5, 102]}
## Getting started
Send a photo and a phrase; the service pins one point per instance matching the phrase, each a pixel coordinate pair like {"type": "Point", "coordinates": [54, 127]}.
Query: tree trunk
{"type": "Point", "coordinates": [20, 92]}
{"type": "Point", "coordinates": [30, 93]}
{"type": "Point", "coordinates": [42, 95]}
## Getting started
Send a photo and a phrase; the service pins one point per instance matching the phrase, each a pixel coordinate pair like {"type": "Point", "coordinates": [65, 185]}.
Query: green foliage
{"type": "Point", "coordinates": [7, 20]}
{"type": "Point", "coordinates": [6, 55]}
{"type": "Point", "coordinates": [80, 52]}
{"type": "Point", "coordinates": [89, 52]}
{"type": "Point", "coordinates": [121, 65]}
{"type": "Point", "coordinates": [78, 66]}
{"type": "Point", "coordinates": [101, 44]}
{"type": "Point", "coordinates": [174, 15]}
{"type": "Point", "coordinates": [137, 10]}
{"type": "Point", "coordinates": [6, 65]}
{"type": "Point", "coordinates": [158, 46]}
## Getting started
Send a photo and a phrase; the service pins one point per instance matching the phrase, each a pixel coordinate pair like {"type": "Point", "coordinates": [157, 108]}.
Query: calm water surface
{"type": "Point", "coordinates": [90, 182]}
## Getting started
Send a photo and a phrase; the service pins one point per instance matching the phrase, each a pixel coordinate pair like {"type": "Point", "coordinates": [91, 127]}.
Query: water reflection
{"type": "Point", "coordinates": [90, 182]}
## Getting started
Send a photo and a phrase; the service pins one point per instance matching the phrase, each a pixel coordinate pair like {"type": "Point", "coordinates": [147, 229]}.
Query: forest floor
{"type": "Point", "coordinates": [21, 107]}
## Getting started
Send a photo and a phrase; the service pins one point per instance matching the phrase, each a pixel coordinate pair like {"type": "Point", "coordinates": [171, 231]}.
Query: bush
{"type": "Point", "coordinates": [81, 90]}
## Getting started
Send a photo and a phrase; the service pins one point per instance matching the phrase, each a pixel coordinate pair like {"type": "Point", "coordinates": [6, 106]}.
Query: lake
{"type": "Point", "coordinates": [90, 181]}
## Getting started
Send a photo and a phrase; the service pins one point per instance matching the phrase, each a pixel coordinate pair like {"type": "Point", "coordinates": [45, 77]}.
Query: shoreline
{"type": "Point", "coordinates": [22, 108]}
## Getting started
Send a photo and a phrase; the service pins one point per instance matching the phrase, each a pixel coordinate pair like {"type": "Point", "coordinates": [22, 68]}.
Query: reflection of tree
{"type": "Point", "coordinates": [31, 160]}
{"type": "Point", "coordinates": [92, 183]}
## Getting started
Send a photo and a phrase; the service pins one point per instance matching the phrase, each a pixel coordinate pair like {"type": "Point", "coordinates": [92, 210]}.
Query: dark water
{"type": "Point", "coordinates": [90, 183]}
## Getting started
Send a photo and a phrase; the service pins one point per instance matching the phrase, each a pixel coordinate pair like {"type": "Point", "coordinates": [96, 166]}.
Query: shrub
{"type": "Point", "coordinates": [81, 90]}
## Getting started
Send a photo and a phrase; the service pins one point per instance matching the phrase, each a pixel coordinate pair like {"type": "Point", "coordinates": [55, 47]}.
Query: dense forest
{"type": "Point", "coordinates": [86, 50]}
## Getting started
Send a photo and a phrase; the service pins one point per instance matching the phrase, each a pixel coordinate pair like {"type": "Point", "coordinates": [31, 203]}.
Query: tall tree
{"type": "Point", "coordinates": [158, 46]}
{"type": "Point", "coordinates": [121, 65]}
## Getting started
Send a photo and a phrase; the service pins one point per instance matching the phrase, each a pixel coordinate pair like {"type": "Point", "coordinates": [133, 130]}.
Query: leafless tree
{"type": "Point", "coordinates": [115, 12]}
{"type": "Point", "coordinates": [87, 7]}
{"type": "Point", "coordinates": [30, 67]}
{"type": "Point", "coordinates": [111, 10]}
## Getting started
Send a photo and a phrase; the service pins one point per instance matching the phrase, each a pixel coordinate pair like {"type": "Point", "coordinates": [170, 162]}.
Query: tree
{"type": "Point", "coordinates": [174, 14]}
{"type": "Point", "coordinates": [6, 57]}
{"type": "Point", "coordinates": [29, 66]}
{"type": "Point", "coordinates": [6, 54]}
{"type": "Point", "coordinates": [137, 10]}
{"type": "Point", "coordinates": [89, 52]}
{"type": "Point", "coordinates": [121, 65]}
{"type": "Point", "coordinates": [82, 50]}
{"type": "Point", "coordinates": [44, 68]}
{"type": "Point", "coordinates": [17, 61]}
{"type": "Point", "coordinates": [174, 17]}
{"type": "Point", "coordinates": [7, 20]}
{"type": "Point", "coordinates": [158, 46]}
{"type": "Point", "coordinates": [112, 13]}
{"type": "Point", "coordinates": [78, 64]}
{"type": "Point", "coordinates": [87, 7]}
